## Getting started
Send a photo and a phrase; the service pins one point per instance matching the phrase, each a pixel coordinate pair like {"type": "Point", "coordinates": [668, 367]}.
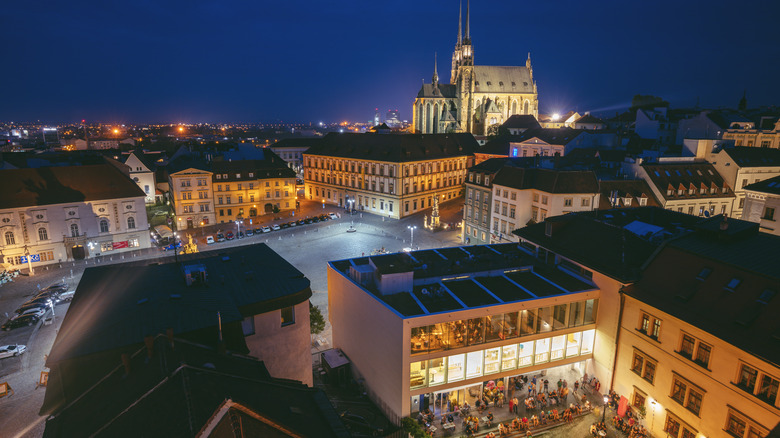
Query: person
{"type": "Point", "coordinates": [516, 403]}
{"type": "Point", "coordinates": [490, 419]}
{"type": "Point", "coordinates": [546, 383]}
{"type": "Point", "coordinates": [511, 404]}
{"type": "Point", "coordinates": [450, 419]}
{"type": "Point", "coordinates": [593, 429]}
{"type": "Point", "coordinates": [576, 385]}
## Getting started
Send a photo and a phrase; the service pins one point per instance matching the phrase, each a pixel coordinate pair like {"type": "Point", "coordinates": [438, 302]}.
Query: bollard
{"type": "Point", "coordinates": [71, 273]}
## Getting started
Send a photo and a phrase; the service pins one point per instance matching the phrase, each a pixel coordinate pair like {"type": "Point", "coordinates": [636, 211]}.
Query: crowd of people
{"type": "Point", "coordinates": [8, 276]}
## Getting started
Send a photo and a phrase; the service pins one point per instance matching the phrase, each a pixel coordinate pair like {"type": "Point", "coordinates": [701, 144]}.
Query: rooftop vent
{"type": "Point", "coordinates": [195, 274]}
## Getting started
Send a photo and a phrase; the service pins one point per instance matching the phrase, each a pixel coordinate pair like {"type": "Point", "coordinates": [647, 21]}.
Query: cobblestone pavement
{"type": "Point", "coordinates": [308, 248]}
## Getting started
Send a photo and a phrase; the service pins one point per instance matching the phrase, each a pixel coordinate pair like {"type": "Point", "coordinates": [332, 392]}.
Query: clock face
{"type": "Point", "coordinates": [101, 210]}
{"type": "Point", "coordinates": [71, 213]}
{"type": "Point", "coordinates": [39, 216]}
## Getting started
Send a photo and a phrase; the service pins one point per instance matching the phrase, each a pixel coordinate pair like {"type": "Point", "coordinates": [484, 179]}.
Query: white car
{"type": "Point", "coordinates": [333, 216]}
{"type": "Point", "coordinates": [67, 296]}
{"type": "Point", "coordinates": [11, 350]}
{"type": "Point", "coordinates": [209, 240]}
{"type": "Point", "coordinates": [276, 228]}
{"type": "Point", "coordinates": [266, 229]}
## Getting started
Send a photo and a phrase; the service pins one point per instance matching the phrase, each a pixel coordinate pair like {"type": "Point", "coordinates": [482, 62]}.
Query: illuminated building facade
{"type": "Point", "coordinates": [388, 174]}
{"type": "Point", "coordinates": [478, 98]}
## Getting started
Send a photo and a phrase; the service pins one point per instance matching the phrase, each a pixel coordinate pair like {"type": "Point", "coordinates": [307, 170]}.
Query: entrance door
{"type": "Point", "coordinates": [269, 208]}
{"type": "Point", "coordinates": [78, 252]}
{"type": "Point", "coordinates": [189, 223]}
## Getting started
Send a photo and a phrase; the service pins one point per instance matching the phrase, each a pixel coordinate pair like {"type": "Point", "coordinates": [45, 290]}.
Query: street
{"type": "Point", "coordinates": [307, 247]}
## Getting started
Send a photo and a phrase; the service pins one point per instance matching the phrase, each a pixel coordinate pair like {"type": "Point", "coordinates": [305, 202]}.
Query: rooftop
{"type": "Point", "coordinates": [64, 184]}
{"type": "Point", "coordinates": [687, 180]}
{"type": "Point", "coordinates": [460, 278]}
{"type": "Point", "coordinates": [724, 282]}
{"type": "Point", "coordinates": [182, 388]}
{"type": "Point", "coordinates": [548, 180]}
{"type": "Point", "coordinates": [395, 148]}
{"type": "Point", "coordinates": [745, 156]}
{"type": "Point", "coordinates": [771, 185]}
{"type": "Point", "coordinates": [118, 305]}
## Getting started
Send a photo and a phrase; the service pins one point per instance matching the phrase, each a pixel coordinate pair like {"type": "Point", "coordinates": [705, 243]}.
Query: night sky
{"type": "Point", "coordinates": [257, 61]}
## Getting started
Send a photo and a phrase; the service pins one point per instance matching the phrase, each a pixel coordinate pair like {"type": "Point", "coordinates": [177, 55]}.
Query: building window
{"type": "Point", "coordinates": [678, 391]}
{"type": "Point", "coordinates": [544, 200]}
{"type": "Point", "coordinates": [644, 324]}
{"type": "Point", "coordinates": [735, 425]}
{"type": "Point", "coordinates": [639, 398]}
{"type": "Point", "coordinates": [585, 202]}
{"type": "Point", "coordinates": [248, 325]}
{"type": "Point", "coordinates": [643, 366]}
{"type": "Point", "coordinates": [767, 390]}
{"type": "Point", "coordinates": [131, 222]}
{"type": "Point", "coordinates": [567, 202]}
{"type": "Point", "coordinates": [747, 378]}
{"type": "Point", "coordinates": [656, 329]}
{"type": "Point", "coordinates": [703, 355]}
{"type": "Point", "coordinates": [104, 225]}
{"type": "Point", "coordinates": [42, 234]}
{"type": "Point", "coordinates": [672, 426]}
{"type": "Point", "coordinates": [9, 238]}
{"type": "Point", "coordinates": [769, 214]}
{"type": "Point", "coordinates": [74, 230]}
{"type": "Point", "coordinates": [694, 401]}
{"type": "Point", "coordinates": [288, 316]}
{"type": "Point", "coordinates": [536, 197]}
{"type": "Point", "coordinates": [686, 348]}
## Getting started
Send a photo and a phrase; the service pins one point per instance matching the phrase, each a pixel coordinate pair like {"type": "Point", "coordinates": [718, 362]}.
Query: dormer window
{"type": "Point", "coordinates": [476, 83]}
{"type": "Point", "coordinates": [501, 84]}
{"type": "Point", "coordinates": [733, 284]}
{"type": "Point", "coordinates": [642, 201]}
{"type": "Point", "coordinates": [766, 296]}
{"type": "Point", "coordinates": [513, 85]}
{"type": "Point", "coordinates": [489, 83]}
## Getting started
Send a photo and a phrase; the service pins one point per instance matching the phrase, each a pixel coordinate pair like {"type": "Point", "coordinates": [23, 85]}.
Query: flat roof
{"type": "Point", "coordinates": [467, 277]}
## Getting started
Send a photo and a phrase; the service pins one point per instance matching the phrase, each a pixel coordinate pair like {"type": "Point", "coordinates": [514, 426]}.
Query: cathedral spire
{"type": "Point", "coordinates": [435, 70]}
{"type": "Point", "coordinates": [460, 22]}
{"type": "Point", "coordinates": [468, 16]}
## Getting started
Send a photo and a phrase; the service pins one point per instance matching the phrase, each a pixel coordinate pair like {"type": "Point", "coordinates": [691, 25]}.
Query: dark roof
{"type": "Point", "coordinates": [600, 241]}
{"type": "Point", "coordinates": [548, 180]}
{"type": "Point", "coordinates": [272, 167]}
{"type": "Point", "coordinates": [687, 175]}
{"type": "Point", "coordinates": [745, 156]}
{"type": "Point", "coordinates": [138, 299]}
{"type": "Point", "coordinates": [296, 142]}
{"type": "Point", "coordinates": [184, 387]}
{"type": "Point", "coordinates": [497, 146]}
{"type": "Point", "coordinates": [521, 121]}
{"type": "Point", "coordinates": [148, 159]}
{"type": "Point", "coordinates": [59, 185]}
{"type": "Point", "coordinates": [560, 136]}
{"type": "Point", "coordinates": [502, 79]}
{"type": "Point", "coordinates": [588, 118]}
{"type": "Point", "coordinates": [771, 185]}
{"type": "Point", "coordinates": [633, 189]}
{"type": "Point", "coordinates": [490, 166]}
{"type": "Point", "coordinates": [744, 315]}
{"type": "Point", "coordinates": [440, 90]}
{"type": "Point", "coordinates": [395, 148]}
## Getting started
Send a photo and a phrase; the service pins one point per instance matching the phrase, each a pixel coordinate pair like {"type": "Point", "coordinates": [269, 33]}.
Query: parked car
{"type": "Point", "coordinates": [230, 235]}
{"type": "Point", "coordinates": [292, 223]}
{"type": "Point", "coordinates": [37, 311]}
{"type": "Point", "coordinates": [266, 229]}
{"type": "Point", "coordinates": [12, 350]}
{"type": "Point", "coordinates": [26, 320]}
{"type": "Point", "coordinates": [302, 222]}
{"type": "Point", "coordinates": [169, 247]}
{"type": "Point", "coordinates": [41, 300]}
{"type": "Point", "coordinates": [259, 230]}
{"type": "Point", "coordinates": [25, 307]}
{"type": "Point", "coordinates": [333, 216]}
{"type": "Point", "coordinates": [67, 296]}
{"type": "Point", "coordinates": [59, 287]}
{"type": "Point", "coordinates": [249, 232]}
{"type": "Point", "coordinates": [276, 227]}
{"type": "Point", "coordinates": [314, 220]}
{"type": "Point", "coordinates": [240, 235]}
{"type": "Point", "coordinates": [209, 240]}
{"type": "Point", "coordinates": [285, 225]}
{"type": "Point", "coordinates": [324, 217]}
{"type": "Point", "coordinates": [220, 237]}
{"type": "Point", "coordinates": [47, 294]}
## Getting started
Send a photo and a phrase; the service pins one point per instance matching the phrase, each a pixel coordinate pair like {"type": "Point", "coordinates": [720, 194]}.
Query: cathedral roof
{"type": "Point", "coordinates": [441, 90]}
{"type": "Point", "coordinates": [498, 79]}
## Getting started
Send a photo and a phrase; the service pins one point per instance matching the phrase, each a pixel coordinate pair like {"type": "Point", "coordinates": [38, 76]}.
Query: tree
{"type": "Point", "coordinates": [316, 321]}
{"type": "Point", "coordinates": [276, 209]}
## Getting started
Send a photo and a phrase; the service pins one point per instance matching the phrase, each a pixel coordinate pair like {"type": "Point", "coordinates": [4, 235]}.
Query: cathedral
{"type": "Point", "coordinates": [477, 97]}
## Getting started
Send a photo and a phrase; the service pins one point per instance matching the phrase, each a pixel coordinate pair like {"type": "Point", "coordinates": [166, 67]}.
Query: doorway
{"type": "Point", "coordinates": [78, 252]}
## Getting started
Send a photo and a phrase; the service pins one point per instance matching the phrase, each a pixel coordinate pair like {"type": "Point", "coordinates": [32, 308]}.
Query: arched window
{"type": "Point", "coordinates": [514, 107]}
{"type": "Point", "coordinates": [525, 109]}
{"type": "Point", "coordinates": [9, 238]}
{"type": "Point", "coordinates": [104, 225]}
{"type": "Point", "coordinates": [74, 230]}
{"type": "Point", "coordinates": [131, 222]}
{"type": "Point", "coordinates": [42, 234]}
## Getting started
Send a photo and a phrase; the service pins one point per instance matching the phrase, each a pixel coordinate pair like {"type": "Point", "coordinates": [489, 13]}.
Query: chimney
{"type": "Point", "coordinates": [126, 363]}
{"type": "Point", "coordinates": [149, 342]}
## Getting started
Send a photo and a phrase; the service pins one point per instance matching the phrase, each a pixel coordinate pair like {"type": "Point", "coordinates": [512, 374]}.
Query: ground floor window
{"type": "Point", "coordinates": [47, 256]}
{"type": "Point", "coordinates": [106, 246]}
{"type": "Point", "coordinates": [288, 316]}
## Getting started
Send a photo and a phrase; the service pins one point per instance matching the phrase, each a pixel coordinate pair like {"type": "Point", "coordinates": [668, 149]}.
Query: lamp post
{"type": "Point", "coordinates": [604, 414]}
{"type": "Point", "coordinates": [175, 250]}
{"type": "Point", "coordinates": [652, 418]}
{"type": "Point", "coordinates": [351, 229]}
{"type": "Point", "coordinates": [412, 228]}
{"type": "Point", "coordinates": [238, 224]}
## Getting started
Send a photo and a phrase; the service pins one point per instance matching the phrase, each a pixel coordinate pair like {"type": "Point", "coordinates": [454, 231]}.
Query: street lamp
{"type": "Point", "coordinates": [351, 203]}
{"type": "Point", "coordinates": [412, 228]}
{"type": "Point", "coordinates": [238, 223]}
{"type": "Point", "coordinates": [604, 414]}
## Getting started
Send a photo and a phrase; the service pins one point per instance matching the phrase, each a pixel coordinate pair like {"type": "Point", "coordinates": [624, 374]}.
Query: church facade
{"type": "Point", "coordinates": [477, 97]}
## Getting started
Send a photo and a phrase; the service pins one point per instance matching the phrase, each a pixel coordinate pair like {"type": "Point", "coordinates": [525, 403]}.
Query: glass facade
{"type": "Point", "coordinates": [499, 359]}
{"type": "Point", "coordinates": [502, 326]}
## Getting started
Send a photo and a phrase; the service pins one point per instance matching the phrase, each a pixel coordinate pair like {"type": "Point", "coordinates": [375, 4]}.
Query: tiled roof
{"type": "Point", "coordinates": [441, 90]}
{"type": "Point", "coordinates": [270, 168]}
{"type": "Point", "coordinates": [588, 118]}
{"type": "Point", "coordinates": [771, 185]}
{"type": "Point", "coordinates": [723, 283]}
{"type": "Point", "coordinates": [680, 179]}
{"type": "Point", "coordinates": [559, 136]}
{"type": "Point", "coordinates": [395, 148]}
{"type": "Point", "coordinates": [502, 79]}
{"type": "Point", "coordinates": [296, 142]}
{"type": "Point", "coordinates": [518, 121]}
{"type": "Point", "coordinates": [745, 156]}
{"type": "Point", "coordinates": [632, 190]}
{"type": "Point", "coordinates": [548, 180]}
{"type": "Point", "coordinates": [64, 184]}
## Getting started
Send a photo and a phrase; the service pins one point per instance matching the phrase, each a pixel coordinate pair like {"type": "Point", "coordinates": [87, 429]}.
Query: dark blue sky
{"type": "Point", "coordinates": [295, 60]}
